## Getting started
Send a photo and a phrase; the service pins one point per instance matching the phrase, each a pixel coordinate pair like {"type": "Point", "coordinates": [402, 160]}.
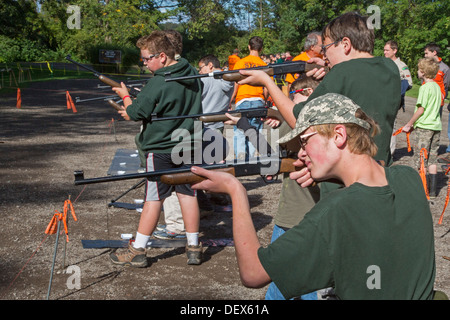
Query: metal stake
{"type": "Point", "coordinates": [54, 259]}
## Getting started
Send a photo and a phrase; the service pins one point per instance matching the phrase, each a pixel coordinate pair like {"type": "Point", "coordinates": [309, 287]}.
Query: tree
{"type": "Point", "coordinates": [116, 23]}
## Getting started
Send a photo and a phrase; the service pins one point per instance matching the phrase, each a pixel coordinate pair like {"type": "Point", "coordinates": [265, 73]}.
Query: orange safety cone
{"type": "Point", "coordinates": [19, 99]}
{"type": "Point", "coordinates": [69, 101]}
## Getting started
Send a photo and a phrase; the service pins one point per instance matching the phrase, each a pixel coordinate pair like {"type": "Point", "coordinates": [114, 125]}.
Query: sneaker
{"type": "Point", "coordinates": [135, 257]}
{"type": "Point", "coordinates": [160, 227]}
{"type": "Point", "coordinates": [168, 235]}
{"type": "Point", "coordinates": [194, 254]}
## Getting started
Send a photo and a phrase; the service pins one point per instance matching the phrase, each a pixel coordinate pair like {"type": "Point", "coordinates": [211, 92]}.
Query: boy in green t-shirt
{"type": "Point", "coordinates": [372, 239]}
{"type": "Point", "coordinates": [426, 120]}
{"type": "Point", "coordinates": [158, 141]}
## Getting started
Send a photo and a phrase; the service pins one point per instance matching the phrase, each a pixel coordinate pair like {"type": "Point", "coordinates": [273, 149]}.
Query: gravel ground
{"type": "Point", "coordinates": [43, 143]}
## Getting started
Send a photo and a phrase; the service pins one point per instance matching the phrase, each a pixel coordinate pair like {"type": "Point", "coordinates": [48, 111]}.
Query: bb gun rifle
{"type": "Point", "coordinates": [112, 83]}
{"type": "Point", "coordinates": [271, 69]}
{"type": "Point", "coordinates": [271, 166]}
{"type": "Point", "coordinates": [115, 105]}
{"type": "Point", "coordinates": [220, 116]}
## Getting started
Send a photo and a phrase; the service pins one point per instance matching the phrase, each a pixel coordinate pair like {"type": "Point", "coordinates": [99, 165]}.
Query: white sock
{"type": "Point", "coordinates": [141, 240]}
{"type": "Point", "coordinates": [192, 238]}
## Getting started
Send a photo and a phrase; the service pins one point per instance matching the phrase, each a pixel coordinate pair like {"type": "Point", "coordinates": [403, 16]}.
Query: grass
{"type": "Point", "coordinates": [10, 81]}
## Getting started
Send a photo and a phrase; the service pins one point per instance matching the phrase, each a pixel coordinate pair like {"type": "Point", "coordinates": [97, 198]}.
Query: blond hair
{"type": "Point", "coordinates": [429, 67]}
{"type": "Point", "coordinates": [359, 139]}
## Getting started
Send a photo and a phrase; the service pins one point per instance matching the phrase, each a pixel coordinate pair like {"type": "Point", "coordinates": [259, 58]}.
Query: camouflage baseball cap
{"type": "Point", "coordinates": [329, 108]}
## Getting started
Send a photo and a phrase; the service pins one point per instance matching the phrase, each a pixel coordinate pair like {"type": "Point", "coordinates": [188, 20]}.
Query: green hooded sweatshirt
{"type": "Point", "coordinates": [167, 99]}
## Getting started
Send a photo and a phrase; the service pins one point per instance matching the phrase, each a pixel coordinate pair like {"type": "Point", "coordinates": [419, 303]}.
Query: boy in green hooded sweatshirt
{"type": "Point", "coordinates": [156, 140]}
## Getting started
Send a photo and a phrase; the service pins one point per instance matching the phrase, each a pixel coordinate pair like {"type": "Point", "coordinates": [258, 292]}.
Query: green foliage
{"type": "Point", "coordinates": [208, 26]}
{"type": "Point", "coordinates": [12, 50]}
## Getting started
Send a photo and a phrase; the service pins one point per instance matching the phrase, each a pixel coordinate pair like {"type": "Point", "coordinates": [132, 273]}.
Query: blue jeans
{"type": "Point", "coordinates": [273, 293]}
{"type": "Point", "coordinates": [241, 145]}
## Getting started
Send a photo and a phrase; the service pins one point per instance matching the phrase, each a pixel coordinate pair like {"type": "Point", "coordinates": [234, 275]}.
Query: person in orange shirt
{"type": "Point", "coordinates": [248, 97]}
{"type": "Point", "coordinates": [442, 79]}
{"type": "Point", "coordinates": [233, 59]}
{"type": "Point", "coordinates": [313, 49]}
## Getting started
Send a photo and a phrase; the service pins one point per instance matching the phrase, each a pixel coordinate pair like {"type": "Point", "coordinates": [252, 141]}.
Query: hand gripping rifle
{"type": "Point", "coordinates": [176, 176]}
{"type": "Point", "coordinates": [132, 91]}
{"type": "Point", "coordinates": [220, 116]}
{"type": "Point", "coordinates": [271, 69]}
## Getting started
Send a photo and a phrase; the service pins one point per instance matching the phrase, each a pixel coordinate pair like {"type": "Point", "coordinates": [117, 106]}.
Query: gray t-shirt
{"type": "Point", "coordinates": [216, 96]}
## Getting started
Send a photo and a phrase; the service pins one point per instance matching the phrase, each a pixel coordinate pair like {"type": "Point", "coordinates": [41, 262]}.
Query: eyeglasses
{"type": "Point", "coordinates": [298, 90]}
{"type": "Point", "coordinates": [304, 139]}
{"type": "Point", "coordinates": [150, 57]}
{"type": "Point", "coordinates": [201, 67]}
{"type": "Point", "coordinates": [325, 47]}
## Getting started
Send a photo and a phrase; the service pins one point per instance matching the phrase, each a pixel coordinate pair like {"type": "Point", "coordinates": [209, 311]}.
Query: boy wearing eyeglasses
{"type": "Point", "coordinates": [165, 99]}
{"type": "Point", "coordinates": [372, 239]}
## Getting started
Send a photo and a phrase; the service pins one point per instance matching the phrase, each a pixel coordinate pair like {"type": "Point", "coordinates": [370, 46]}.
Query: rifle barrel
{"type": "Point", "coordinates": [239, 168]}
{"type": "Point", "coordinates": [154, 117]}
{"type": "Point", "coordinates": [152, 175]}
{"type": "Point", "coordinates": [68, 57]}
{"type": "Point", "coordinates": [110, 82]}
{"type": "Point", "coordinates": [234, 75]}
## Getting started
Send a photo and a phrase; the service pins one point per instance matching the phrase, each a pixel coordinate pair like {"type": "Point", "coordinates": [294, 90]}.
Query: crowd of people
{"type": "Point", "coordinates": [349, 224]}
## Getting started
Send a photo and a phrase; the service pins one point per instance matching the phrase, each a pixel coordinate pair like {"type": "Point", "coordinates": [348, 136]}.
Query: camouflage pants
{"type": "Point", "coordinates": [429, 140]}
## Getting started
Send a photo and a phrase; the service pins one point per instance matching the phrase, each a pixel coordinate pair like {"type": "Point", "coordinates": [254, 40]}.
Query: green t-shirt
{"type": "Point", "coordinates": [173, 98]}
{"type": "Point", "coordinates": [373, 83]}
{"type": "Point", "coordinates": [366, 242]}
{"type": "Point", "coordinates": [430, 99]}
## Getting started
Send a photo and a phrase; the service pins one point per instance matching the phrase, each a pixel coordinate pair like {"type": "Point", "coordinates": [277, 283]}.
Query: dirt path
{"type": "Point", "coordinates": [42, 144]}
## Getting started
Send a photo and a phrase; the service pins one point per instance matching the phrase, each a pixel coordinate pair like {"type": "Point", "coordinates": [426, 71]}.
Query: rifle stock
{"type": "Point", "coordinates": [185, 176]}
{"type": "Point", "coordinates": [115, 105]}
{"type": "Point", "coordinates": [189, 177]}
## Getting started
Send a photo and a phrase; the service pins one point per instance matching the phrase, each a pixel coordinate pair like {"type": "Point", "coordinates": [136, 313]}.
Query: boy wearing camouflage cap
{"type": "Point", "coordinates": [372, 239]}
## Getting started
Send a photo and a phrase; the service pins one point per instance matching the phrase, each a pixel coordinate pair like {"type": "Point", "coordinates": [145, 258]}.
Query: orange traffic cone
{"type": "Point", "coordinates": [19, 99]}
{"type": "Point", "coordinates": [69, 101]}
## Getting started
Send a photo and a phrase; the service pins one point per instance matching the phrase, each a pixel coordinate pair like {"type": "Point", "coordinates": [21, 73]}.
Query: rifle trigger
{"type": "Point", "coordinates": [272, 180]}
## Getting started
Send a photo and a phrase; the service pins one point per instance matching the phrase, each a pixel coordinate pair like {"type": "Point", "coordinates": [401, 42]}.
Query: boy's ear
{"type": "Point", "coordinates": [347, 44]}
{"type": "Point", "coordinates": [163, 57]}
{"type": "Point", "coordinates": [340, 135]}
